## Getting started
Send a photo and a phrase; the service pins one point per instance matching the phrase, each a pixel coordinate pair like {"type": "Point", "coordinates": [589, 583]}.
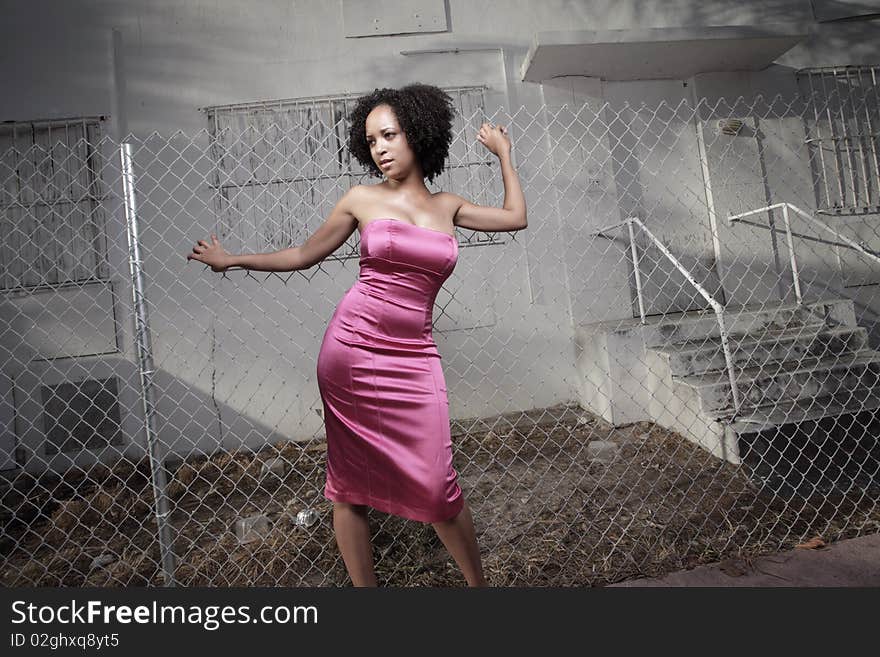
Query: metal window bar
{"type": "Point", "coordinates": [848, 97]}
{"type": "Point", "coordinates": [52, 167]}
{"type": "Point", "coordinates": [243, 127]}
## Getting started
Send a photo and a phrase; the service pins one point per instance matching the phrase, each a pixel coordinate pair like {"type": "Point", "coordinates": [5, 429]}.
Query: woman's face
{"type": "Point", "coordinates": [388, 142]}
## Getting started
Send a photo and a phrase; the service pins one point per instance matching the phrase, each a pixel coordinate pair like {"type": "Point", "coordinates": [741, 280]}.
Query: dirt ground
{"type": "Point", "coordinates": [547, 513]}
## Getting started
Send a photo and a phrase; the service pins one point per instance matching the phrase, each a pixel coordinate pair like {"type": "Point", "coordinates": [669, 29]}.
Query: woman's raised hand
{"type": "Point", "coordinates": [211, 254]}
{"type": "Point", "coordinates": [495, 138]}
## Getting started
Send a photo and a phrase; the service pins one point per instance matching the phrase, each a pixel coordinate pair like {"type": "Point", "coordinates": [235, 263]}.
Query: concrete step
{"type": "Point", "coordinates": [745, 321]}
{"type": "Point", "coordinates": [672, 369]}
{"type": "Point", "coordinates": [703, 356]}
{"type": "Point", "coordinates": [769, 416]}
{"type": "Point", "coordinates": [775, 383]}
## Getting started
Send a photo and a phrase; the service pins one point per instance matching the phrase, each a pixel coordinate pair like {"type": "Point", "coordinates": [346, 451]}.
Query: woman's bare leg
{"type": "Point", "coordinates": [459, 537]}
{"type": "Point", "coordinates": [352, 528]}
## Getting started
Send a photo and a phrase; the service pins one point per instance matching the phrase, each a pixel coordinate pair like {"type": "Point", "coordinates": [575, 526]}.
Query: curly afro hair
{"type": "Point", "coordinates": [425, 114]}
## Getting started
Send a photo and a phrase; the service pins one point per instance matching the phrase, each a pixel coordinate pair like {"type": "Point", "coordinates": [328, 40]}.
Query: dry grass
{"type": "Point", "coordinates": [545, 514]}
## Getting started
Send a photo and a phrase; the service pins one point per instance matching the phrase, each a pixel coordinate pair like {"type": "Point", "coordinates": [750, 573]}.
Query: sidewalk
{"type": "Point", "coordinates": [852, 562]}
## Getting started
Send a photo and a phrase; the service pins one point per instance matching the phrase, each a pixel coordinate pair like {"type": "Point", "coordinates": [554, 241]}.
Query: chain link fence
{"type": "Point", "coordinates": [673, 364]}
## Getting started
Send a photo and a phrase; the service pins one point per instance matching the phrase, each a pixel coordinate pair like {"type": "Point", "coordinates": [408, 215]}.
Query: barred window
{"type": "Point", "coordinates": [842, 126]}
{"type": "Point", "coordinates": [281, 166]}
{"type": "Point", "coordinates": [51, 197]}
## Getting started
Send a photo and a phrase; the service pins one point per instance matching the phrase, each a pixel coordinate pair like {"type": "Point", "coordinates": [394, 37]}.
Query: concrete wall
{"type": "Point", "coordinates": [150, 66]}
{"type": "Point", "coordinates": [173, 57]}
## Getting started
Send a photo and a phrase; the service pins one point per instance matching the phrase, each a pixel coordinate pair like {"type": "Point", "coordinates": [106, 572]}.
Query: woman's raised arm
{"type": "Point", "coordinates": [513, 215]}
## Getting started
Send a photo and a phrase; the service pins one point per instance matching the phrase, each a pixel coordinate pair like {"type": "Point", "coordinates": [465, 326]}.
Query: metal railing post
{"type": "Point", "coordinates": [794, 267]}
{"type": "Point", "coordinates": [635, 256]}
{"type": "Point", "coordinates": [719, 314]}
{"type": "Point", "coordinates": [145, 366]}
{"type": "Point", "coordinates": [716, 306]}
{"type": "Point", "coordinates": [813, 220]}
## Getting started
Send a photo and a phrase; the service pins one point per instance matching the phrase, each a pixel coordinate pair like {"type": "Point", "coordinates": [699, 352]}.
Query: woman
{"type": "Point", "coordinates": [382, 386]}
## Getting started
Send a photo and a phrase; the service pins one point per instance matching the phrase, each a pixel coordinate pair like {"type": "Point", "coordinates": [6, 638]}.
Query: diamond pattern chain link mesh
{"type": "Point", "coordinates": [674, 363]}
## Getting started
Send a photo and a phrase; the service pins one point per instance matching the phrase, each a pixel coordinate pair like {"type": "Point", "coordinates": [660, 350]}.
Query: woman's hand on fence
{"type": "Point", "coordinates": [211, 254]}
{"type": "Point", "coordinates": [495, 138]}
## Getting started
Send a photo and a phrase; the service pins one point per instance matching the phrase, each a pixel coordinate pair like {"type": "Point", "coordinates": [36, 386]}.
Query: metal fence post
{"type": "Point", "coordinates": [145, 366]}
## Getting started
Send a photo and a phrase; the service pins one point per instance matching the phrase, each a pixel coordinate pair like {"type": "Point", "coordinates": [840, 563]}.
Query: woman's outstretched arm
{"type": "Point", "coordinates": [512, 216]}
{"type": "Point", "coordinates": [332, 234]}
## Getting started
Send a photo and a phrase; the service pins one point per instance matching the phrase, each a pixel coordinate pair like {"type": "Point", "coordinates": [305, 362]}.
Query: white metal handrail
{"type": "Point", "coordinates": [786, 207]}
{"type": "Point", "coordinates": [716, 305]}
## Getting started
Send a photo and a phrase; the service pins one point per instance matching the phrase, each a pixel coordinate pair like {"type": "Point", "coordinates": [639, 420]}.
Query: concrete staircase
{"type": "Point", "coordinates": [809, 387]}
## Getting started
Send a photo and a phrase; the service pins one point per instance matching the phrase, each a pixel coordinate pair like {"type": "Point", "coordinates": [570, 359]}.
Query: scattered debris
{"type": "Point", "coordinates": [815, 543]}
{"type": "Point", "coordinates": [602, 451]}
{"type": "Point", "coordinates": [103, 560]}
{"type": "Point", "coordinates": [277, 467]}
{"type": "Point", "coordinates": [306, 517]}
{"type": "Point", "coordinates": [251, 528]}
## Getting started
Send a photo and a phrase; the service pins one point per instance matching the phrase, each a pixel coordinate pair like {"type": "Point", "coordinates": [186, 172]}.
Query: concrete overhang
{"type": "Point", "coordinates": [660, 52]}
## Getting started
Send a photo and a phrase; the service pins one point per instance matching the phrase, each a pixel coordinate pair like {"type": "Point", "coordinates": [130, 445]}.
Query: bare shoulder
{"type": "Point", "coordinates": [359, 196]}
{"type": "Point", "coordinates": [375, 190]}
{"type": "Point", "coordinates": [356, 192]}
{"type": "Point", "coordinates": [449, 197]}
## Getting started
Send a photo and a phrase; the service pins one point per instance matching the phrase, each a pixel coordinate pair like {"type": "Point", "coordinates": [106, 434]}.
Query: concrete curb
{"type": "Point", "coordinates": [852, 562]}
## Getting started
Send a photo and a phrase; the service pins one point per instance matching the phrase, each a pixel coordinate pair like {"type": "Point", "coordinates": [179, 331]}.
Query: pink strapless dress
{"type": "Point", "coordinates": [386, 412]}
